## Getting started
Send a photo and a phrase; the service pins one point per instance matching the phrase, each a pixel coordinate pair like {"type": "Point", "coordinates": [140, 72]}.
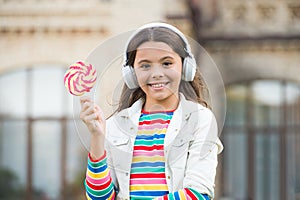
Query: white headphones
{"type": "Point", "coordinates": [189, 63]}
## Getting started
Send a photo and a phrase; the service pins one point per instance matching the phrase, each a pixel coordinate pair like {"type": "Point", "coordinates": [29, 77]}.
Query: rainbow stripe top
{"type": "Point", "coordinates": [147, 177]}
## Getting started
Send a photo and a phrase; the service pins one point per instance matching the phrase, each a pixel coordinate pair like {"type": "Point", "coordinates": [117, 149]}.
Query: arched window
{"type": "Point", "coordinates": [262, 141]}
{"type": "Point", "coordinates": [40, 153]}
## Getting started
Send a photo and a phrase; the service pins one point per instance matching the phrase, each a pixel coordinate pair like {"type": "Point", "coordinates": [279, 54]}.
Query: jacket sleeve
{"type": "Point", "coordinates": [185, 193]}
{"type": "Point", "coordinates": [98, 182]}
{"type": "Point", "coordinates": [202, 158]}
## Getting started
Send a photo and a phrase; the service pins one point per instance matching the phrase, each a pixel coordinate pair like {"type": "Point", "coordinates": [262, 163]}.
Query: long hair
{"type": "Point", "coordinates": [195, 90]}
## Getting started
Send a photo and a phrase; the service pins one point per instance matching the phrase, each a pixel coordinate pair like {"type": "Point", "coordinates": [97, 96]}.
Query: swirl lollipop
{"type": "Point", "coordinates": [80, 78]}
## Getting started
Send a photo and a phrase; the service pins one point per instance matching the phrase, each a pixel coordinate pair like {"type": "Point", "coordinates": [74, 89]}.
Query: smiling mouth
{"type": "Point", "coordinates": [158, 85]}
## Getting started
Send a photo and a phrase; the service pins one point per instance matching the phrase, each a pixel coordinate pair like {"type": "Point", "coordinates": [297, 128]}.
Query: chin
{"type": "Point", "coordinates": [162, 97]}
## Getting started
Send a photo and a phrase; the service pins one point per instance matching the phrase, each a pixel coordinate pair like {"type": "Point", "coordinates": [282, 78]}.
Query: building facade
{"type": "Point", "coordinates": [256, 46]}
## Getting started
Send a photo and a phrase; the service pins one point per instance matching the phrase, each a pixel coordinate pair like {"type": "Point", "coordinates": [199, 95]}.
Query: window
{"type": "Point", "coordinates": [41, 156]}
{"type": "Point", "coordinates": [262, 139]}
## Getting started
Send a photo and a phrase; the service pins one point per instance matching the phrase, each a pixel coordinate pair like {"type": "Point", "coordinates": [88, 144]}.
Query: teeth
{"type": "Point", "coordinates": [157, 85]}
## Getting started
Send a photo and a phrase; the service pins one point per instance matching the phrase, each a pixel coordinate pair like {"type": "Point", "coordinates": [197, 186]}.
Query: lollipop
{"type": "Point", "coordinates": [80, 78]}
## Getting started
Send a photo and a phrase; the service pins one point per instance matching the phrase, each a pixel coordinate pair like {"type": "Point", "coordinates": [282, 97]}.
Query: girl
{"type": "Point", "coordinates": [162, 142]}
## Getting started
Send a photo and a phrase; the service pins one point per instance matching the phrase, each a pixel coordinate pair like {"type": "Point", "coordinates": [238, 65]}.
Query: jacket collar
{"type": "Point", "coordinates": [128, 118]}
{"type": "Point", "coordinates": [133, 112]}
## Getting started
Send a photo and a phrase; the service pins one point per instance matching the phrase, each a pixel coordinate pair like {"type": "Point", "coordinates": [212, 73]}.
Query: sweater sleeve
{"type": "Point", "coordinates": [98, 182]}
{"type": "Point", "coordinates": [186, 193]}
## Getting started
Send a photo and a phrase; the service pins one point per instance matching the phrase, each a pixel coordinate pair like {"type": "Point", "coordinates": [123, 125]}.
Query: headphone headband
{"type": "Point", "coordinates": [163, 25]}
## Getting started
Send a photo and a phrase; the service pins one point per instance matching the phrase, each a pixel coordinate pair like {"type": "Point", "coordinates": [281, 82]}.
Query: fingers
{"type": "Point", "coordinates": [85, 103]}
{"type": "Point", "coordinates": [90, 111]}
{"type": "Point", "coordinates": [90, 118]}
{"type": "Point", "coordinates": [100, 112]}
{"type": "Point", "coordinates": [89, 108]}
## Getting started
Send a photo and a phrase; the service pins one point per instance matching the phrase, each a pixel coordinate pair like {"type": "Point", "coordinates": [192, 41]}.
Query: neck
{"type": "Point", "coordinates": [153, 105]}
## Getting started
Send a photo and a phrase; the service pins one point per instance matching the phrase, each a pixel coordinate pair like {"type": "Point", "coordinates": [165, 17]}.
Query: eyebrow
{"type": "Point", "coordinates": [148, 61]}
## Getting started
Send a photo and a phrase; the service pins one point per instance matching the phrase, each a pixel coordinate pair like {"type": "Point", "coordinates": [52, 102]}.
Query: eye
{"type": "Point", "coordinates": [145, 66]}
{"type": "Point", "coordinates": [167, 64]}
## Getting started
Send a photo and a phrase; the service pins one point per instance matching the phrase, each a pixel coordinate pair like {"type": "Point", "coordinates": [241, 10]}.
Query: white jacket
{"type": "Point", "coordinates": [191, 146]}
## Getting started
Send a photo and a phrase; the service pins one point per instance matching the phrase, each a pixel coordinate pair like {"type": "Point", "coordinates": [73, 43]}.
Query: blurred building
{"type": "Point", "coordinates": [255, 44]}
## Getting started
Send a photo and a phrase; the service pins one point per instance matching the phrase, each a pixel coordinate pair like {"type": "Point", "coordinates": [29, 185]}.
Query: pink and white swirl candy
{"type": "Point", "coordinates": [80, 78]}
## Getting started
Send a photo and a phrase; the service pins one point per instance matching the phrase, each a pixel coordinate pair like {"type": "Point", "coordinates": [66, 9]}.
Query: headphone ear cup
{"type": "Point", "coordinates": [129, 77]}
{"type": "Point", "coordinates": [189, 68]}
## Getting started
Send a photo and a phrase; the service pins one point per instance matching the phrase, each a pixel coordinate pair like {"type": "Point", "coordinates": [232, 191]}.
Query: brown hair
{"type": "Point", "coordinates": [195, 90]}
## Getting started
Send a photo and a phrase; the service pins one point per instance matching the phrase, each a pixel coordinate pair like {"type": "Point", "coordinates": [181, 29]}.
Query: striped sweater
{"type": "Point", "coordinates": [147, 177]}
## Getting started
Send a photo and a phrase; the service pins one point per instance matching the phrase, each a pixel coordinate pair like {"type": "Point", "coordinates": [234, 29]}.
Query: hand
{"type": "Point", "coordinates": [92, 116]}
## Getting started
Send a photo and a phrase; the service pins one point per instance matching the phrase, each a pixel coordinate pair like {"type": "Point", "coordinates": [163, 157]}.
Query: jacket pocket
{"type": "Point", "coordinates": [118, 142]}
{"type": "Point", "coordinates": [178, 152]}
{"type": "Point", "coordinates": [120, 151]}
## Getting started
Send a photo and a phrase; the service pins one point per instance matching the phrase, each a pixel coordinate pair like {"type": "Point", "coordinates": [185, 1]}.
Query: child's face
{"type": "Point", "coordinates": [158, 70]}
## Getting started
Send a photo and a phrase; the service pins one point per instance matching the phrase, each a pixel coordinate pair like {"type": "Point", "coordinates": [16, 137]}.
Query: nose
{"type": "Point", "coordinates": [157, 72]}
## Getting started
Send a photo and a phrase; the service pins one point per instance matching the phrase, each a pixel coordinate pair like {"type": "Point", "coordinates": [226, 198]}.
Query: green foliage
{"type": "Point", "coordinates": [9, 186]}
